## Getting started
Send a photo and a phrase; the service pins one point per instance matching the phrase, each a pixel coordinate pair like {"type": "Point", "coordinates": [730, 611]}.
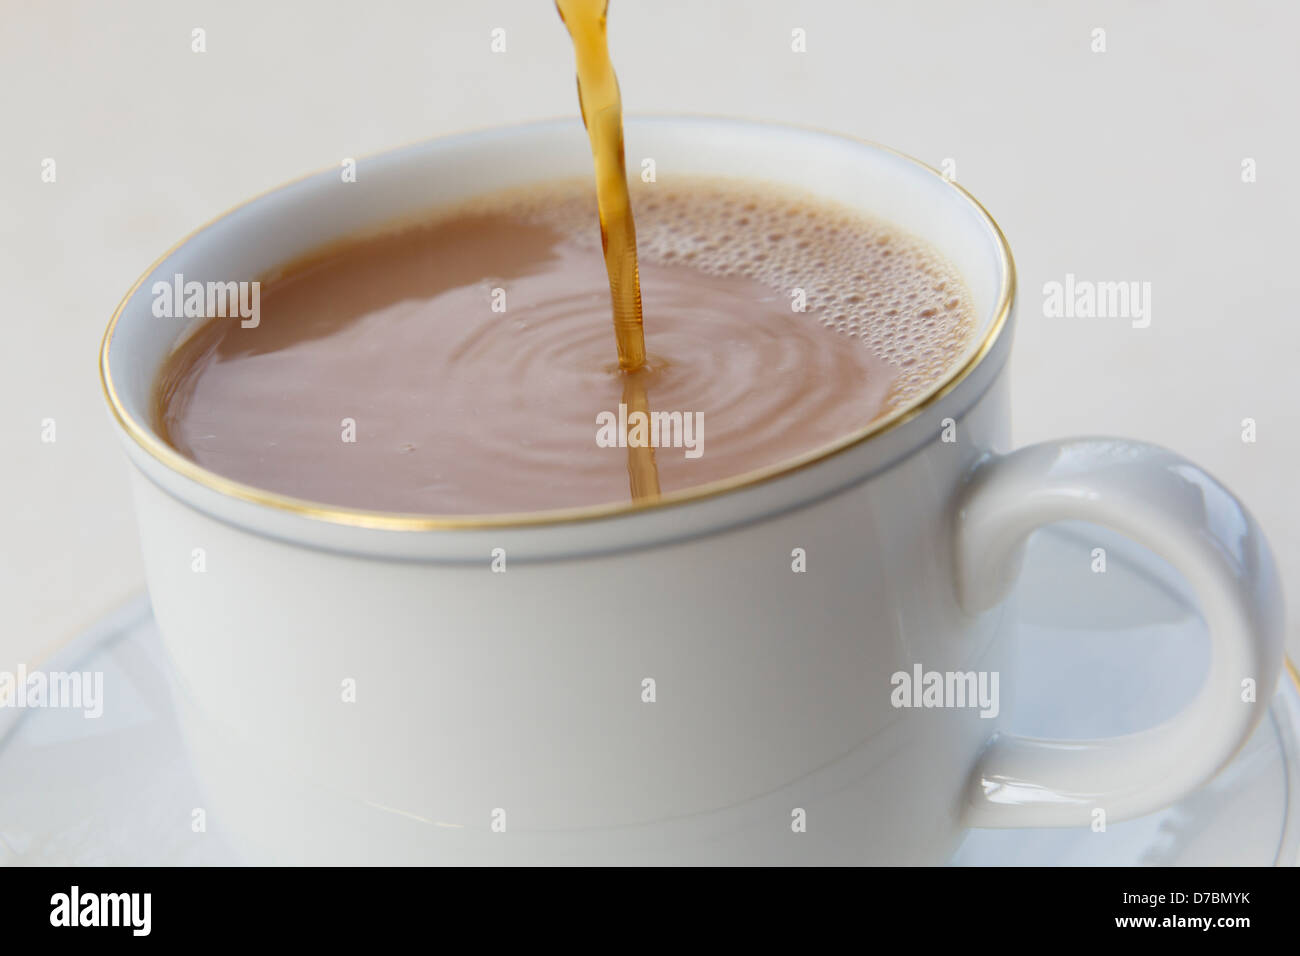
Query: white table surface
{"type": "Point", "coordinates": [1123, 165]}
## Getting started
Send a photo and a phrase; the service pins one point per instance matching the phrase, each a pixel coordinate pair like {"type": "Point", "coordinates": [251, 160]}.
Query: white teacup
{"type": "Point", "coordinates": [508, 716]}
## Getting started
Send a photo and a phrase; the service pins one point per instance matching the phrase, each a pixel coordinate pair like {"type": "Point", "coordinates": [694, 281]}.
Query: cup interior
{"type": "Point", "coordinates": [404, 184]}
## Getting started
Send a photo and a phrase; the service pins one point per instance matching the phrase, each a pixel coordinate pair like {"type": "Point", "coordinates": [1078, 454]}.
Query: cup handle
{"type": "Point", "coordinates": [1167, 504]}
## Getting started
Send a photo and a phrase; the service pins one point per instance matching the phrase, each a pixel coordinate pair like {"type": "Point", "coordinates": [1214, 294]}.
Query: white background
{"type": "Point", "coordinates": [1114, 166]}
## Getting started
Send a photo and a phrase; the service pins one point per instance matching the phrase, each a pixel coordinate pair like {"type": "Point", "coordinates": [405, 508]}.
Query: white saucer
{"type": "Point", "coordinates": [1102, 653]}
